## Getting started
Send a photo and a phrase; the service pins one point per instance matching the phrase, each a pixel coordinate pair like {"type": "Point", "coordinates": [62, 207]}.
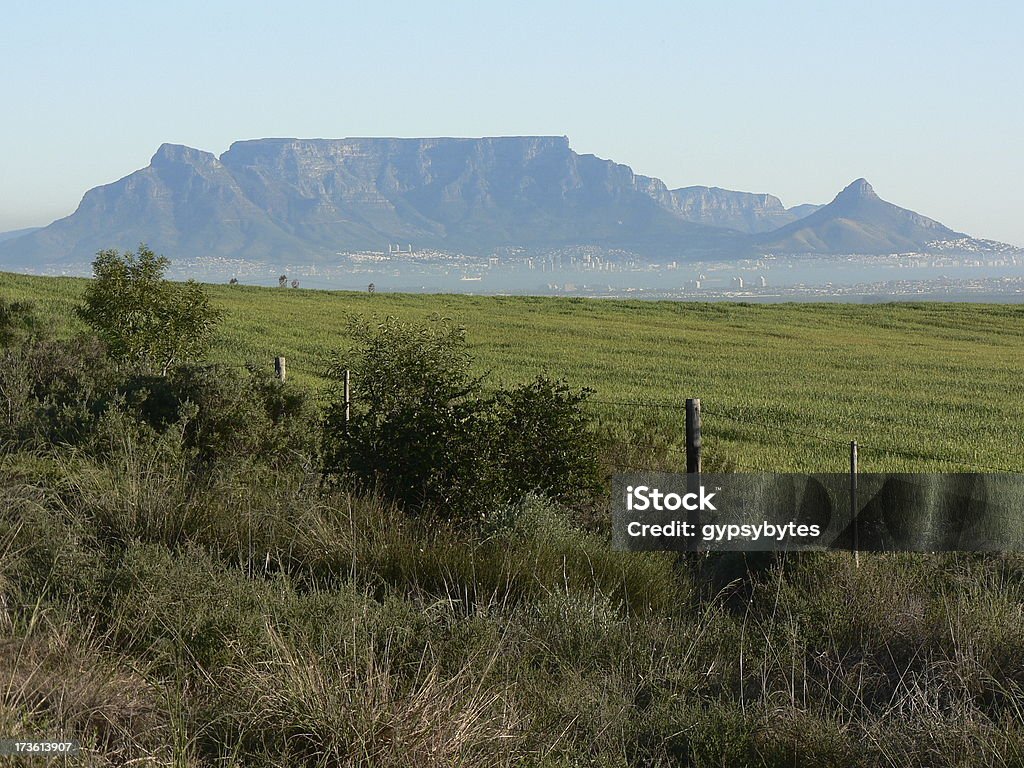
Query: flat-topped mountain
{"type": "Point", "coordinates": [463, 194]}
{"type": "Point", "coordinates": [307, 200]}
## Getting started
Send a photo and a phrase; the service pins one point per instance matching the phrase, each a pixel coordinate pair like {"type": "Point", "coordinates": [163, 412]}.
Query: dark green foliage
{"type": "Point", "coordinates": [148, 322]}
{"type": "Point", "coordinates": [425, 432]}
{"type": "Point", "coordinates": [226, 415]}
{"type": "Point", "coordinates": [52, 390]}
{"type": "Point", "coordinates": [17, 319]}
{"type": "Point", "coordinates": [55, 392]}
{"type": "Point", "coordinates": [545, 443]}
{"type": "Point", "coordinates": [417, 428]}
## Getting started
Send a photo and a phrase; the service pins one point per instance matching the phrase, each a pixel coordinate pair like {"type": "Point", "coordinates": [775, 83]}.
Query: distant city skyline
{"type": "Point", "coordinates": [795, 101]}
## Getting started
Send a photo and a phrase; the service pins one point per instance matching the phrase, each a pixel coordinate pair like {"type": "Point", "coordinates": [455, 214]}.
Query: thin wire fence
{"type": "Point", "coordinates": [772, 429]}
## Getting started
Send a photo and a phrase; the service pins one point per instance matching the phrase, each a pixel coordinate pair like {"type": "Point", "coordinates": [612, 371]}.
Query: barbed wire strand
{"type": "Point", "coordinates": [769, 428]}
{"type": "Point", "coordinates": [754, 422]}
{"type": "Point", "coordinates": [638, 404]}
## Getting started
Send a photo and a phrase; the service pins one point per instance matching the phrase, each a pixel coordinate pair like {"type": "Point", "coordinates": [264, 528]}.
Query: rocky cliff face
{"type": "Point", "coordinates": [743, 211]}
{"type": "Point", "coordinates": [185, 203]}
{"type": "Point", "coordinates": [461, 193]}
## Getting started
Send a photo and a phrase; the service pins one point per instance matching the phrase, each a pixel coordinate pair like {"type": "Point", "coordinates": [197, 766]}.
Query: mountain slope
{"type": "Point", "coordinates": [287, 199]}
{"type": "Point", "coordinates": [14, 233]}
{"type": "Point", "coordinates": [307, 200]}
{"type": "Point", "coordinates": [857, 221]}
{"type": "Point", "coordinates": [183, 203]}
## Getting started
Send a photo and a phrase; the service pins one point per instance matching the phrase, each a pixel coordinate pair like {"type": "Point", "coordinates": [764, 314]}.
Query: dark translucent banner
{"type": "Point", "coordinates": [791, 512]}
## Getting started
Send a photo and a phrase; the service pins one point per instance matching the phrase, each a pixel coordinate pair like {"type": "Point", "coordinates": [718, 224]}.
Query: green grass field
{"type": "Point", "coordinates": [783, 387]}
{"type": "Point", "coordinates": [168, 612]}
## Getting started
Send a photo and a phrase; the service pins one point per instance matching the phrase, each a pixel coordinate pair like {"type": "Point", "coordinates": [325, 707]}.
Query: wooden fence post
{"type": "Point", "coordinates": [853, 504]}
{"type": "Point", "coordinates": [348, 397]}
{"type": "Point", "coordinates": [279, 368]}
{"type": "Point", "coordinates": [693, 436]}
{"type": "Point", "coordinates": [693, 467]}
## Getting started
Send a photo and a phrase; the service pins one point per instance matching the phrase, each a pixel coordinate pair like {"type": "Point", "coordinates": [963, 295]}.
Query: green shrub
{"type": "Point", "coordinates": [52, 390]}
{"type": "Point", "coordinates": [545, 444]}
{"type": "Point", "coordinates": [148, 322]}
{"type": "Point", "coordinates": [228, 416]}
{"type": "Point", "coordinates": [424, 432]}
{"type": "Point", "coordinates": [17, 319]}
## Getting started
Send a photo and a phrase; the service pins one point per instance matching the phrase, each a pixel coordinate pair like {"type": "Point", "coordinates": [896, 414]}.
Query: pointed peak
{"type": "Point", "coordinates": [857, 190]}
{"type": "Point", "coordinates": [179, 153]}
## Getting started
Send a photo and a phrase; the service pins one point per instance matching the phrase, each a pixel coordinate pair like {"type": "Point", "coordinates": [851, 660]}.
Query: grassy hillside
{"type": "Point", "coordinates": [783, 387]}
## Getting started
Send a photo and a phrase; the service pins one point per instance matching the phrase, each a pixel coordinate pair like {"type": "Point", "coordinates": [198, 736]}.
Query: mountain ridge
{"type": "Point", "coordinates": [288, 199]}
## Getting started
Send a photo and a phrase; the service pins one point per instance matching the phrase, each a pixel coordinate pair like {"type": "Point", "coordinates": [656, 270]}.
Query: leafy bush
{"type": "Point", "coordinates": [58, 392]}
{"type": "Point", "coordinates": [17, 319]}
{"type": "Point", "coordinates": [51, 390]}
{"type": "Point", "coordinates": [424, 431]}
{"type": "Point", "coordinates": [225, 415]}
{"type": "Point", "coordinates": [147, 321]}
{"type": "Point", "coordinates": [545, 443]}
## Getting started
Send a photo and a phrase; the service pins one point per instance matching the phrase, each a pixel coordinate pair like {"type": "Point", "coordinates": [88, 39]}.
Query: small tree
{"type": "Point", "coordinates": [146, 320]}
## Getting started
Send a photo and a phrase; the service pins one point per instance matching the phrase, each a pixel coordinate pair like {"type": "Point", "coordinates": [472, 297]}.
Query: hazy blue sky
{"type": "Point", "coordinates": [925, 99]}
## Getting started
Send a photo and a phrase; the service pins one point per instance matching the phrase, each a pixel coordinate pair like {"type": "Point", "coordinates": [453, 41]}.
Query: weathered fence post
{"type": "Point", "coordinates": [692, 436]}
{"type": "Point", "coordinates": [853, 504]}
{"type": "Point", "coordinates": [693, 455]}
{"type": "Point", "coordinates": [279, 368]}
{"type": "Point", "coordinates": [348, 397]}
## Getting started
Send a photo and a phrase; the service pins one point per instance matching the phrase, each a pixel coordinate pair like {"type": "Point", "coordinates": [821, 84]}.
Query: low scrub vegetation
{"type": "Point", "coordinates": [424, 431]}
{"type": "Point", "coordinates": [206, 566]}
